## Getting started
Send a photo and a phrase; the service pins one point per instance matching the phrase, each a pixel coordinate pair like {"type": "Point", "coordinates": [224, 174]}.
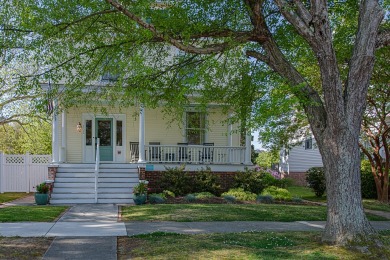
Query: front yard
{"type": "Point", "coordinates": [31, 213]}
{"type": "Point", "coordinates": [10, 196]}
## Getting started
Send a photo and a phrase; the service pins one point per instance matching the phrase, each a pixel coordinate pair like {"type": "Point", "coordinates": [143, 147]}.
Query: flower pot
{"type": "Point", "coordinates": [41, 198]}
{"type": "Point", "coordinates": [139, 199]}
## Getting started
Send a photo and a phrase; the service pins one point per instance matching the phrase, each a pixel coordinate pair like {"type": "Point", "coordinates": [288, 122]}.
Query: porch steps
{"type": "Point", "coordinates": [75, 184]}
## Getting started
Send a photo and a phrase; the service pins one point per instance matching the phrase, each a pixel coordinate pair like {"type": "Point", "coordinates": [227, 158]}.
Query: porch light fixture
{"type": "Point", "coordinates": [79, 127]}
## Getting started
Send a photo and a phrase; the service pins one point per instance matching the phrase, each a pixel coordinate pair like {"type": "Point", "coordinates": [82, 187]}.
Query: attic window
{"type": "Point", "coordinates": [309, 144]}
{"type": "Point", "coordinates": [108, 76]}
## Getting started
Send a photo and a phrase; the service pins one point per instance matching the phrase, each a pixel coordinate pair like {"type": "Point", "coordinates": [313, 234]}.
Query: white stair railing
{"type": "Point", "coordinates": [97, 163]}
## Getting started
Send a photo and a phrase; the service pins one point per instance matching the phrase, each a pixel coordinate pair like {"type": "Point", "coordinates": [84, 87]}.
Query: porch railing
{"type": "Point", "coordinates": [195, 154]}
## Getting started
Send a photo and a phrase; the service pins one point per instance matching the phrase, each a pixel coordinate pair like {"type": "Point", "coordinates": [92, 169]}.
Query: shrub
{"type": "Point", "coordinates": [206, 181]}
{"type": "Point", "coordinates": [141, 188]}
{"type": "Point", "coordinates": [176, 180]}
{"type": "Point", "coordinates": [204, 195]}
{"type": "Point", "coordinates": [190, 197]}
{"type": "Point", "coordinates": [229, 198]}
{"type": "Point", "coordinates": [368, 182]}
{"type": "Point", "coordinates": [315, 177]}
{"type": "Point", "coordinates": [251, 180]}
{"type": "Point", "coordinates": [42, 188]}
{"type": "Point", "coordinates": [297, 200]}
{"type": "Point", "coordinates": [168, 194]}
{"type": "Point", "coordinates": [268, 199]}
{"type": "Point", "coordinates": [277, 193]}
{"type": "Point", "coordinates": [240, 194]}
{"type": "Point", "coordinates": [157, 198]}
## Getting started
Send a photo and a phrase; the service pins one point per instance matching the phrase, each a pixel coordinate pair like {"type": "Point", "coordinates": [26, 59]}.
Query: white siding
{"type": "Point", "coordinates": [300, 159]}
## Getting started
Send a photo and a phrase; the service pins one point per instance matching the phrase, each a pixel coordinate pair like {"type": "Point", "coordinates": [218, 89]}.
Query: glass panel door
{"type": "Point", "coordinates": [105, 133]}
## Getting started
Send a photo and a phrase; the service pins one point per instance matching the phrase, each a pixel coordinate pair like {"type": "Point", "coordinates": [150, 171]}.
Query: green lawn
{"type": "Point", "coordinates": [376, 205]}
{"type": "Point", "coordinates": [305, 193]}
{"type": "Point", "coordinates": [248, 245]}
{"type": "Point", "coordinates": [31, 213]}
{"type": "Point", "coordinates": [9, 196]}
{"type": "Point", "coordinates": [226, 212]}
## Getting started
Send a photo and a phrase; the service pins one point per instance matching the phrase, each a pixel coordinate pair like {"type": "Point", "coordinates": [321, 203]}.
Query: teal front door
{"type": "Point", "coordinates": [104, 131]}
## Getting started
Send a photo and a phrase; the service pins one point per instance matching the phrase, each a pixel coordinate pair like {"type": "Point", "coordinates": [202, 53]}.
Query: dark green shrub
{"type": "Point", "coordinates": [297, 200]}
{"type": "Point", "coordinates": [368, 182]}
{"type": "Point", "coordinates": [177, 181]}
{"type": "Point", "coordinates": [240, 194]}
{"type": "Point", "coordinates": [315, 177]}
{"type": "Point", "coordinates": [252, 181]}
{"type": "Point", "coordinates": [268, 199]}
{"type": "Point", "coordinates": [229, 198]}
{"type": "Point", "coordinates": [206, 181]}
{"type": "Point", "coordinates": [155, 198]}
{"type": "Point", "coordinates": [190, 197]}
{"type": "Point", "coordinates": [277, 193]}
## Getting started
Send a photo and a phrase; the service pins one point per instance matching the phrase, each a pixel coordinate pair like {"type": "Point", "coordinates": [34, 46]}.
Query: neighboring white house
{"type": "Point", "coordinates": [302, 155]}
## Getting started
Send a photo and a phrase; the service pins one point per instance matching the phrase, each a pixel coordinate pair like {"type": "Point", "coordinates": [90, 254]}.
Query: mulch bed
{"type": "Point", "coordinates": [23, 247]}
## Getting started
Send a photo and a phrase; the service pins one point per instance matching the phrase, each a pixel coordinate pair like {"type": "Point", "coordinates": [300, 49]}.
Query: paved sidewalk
{"type": "Point", "coordinates": [29, 200]}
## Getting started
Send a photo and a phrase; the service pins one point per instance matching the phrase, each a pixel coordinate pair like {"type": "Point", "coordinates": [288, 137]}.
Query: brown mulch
{"type": "Point", "coordinates": [13, 248]}
{"type": "Point", "coordinates": [126, 245]}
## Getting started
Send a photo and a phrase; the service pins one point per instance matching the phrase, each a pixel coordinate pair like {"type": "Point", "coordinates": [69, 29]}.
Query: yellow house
{"type": "Point", "coordinates": [99, 157]}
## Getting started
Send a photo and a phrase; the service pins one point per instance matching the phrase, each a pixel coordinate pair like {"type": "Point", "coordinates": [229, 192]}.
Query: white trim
{"type": "Point", "coordinates": [55, 134]}
{"type": "Point", "coordinates": [141, 136]}
{"type": "Point", "coordinates": [63, 137]}
{"type": "Point", "coordinates": [90, 158]}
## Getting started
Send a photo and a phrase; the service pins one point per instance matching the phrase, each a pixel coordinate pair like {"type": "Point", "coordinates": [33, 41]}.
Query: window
{"type": "Point", "coordinates": [118, 133]}
{"type": "Point", "coordinates": [195, 127]}
{"type": "Point", "coordinates": [88, 132]}
{"type": "Point", "coordinates": [309, 144]}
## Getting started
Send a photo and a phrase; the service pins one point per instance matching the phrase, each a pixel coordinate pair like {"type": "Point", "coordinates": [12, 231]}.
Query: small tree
{"type": "Point", "coordinates": [315, 177]}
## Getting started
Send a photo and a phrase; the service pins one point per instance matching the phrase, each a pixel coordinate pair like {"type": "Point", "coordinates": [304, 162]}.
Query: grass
{"type": "Point", "coordinates": [23, 248]}
{"type": "Point", "coordinates": [248, 245]}
{"type": "Point", "coordinates": [9, 196]}
{"type": "Point", "coordinates": [227, 212]}
{"type": "Point", "coordinates": [31, 213]}
{"type": "Point", "coordinates": [376, 205]}
{"type": "Point", "coordinates": [305, 193]}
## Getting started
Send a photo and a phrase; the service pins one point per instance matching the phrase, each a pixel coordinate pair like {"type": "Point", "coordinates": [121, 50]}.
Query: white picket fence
{"type": "Point", "coordinates": [21, 173]}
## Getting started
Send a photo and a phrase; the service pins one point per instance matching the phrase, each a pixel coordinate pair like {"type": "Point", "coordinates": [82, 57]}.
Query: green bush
{"type": "Point", "coordinates": [268, 199]}
{"type": "Point", "coordinates": [155, 198]}
{"type": "Point", "coordinates": [297, 200]}
{"type": "Point", "coordinates": [204, 195]}
{"type": "Point", "coordinates": [368, 182]}
{"type": "Point", "coordinates": [206, 181]}
{"type": "Point", "coordinates": [277, 193]}
{"type": "Point", "coordinates": [252, 181]}
{"type": "Point", "coordinates": [229, 198]}
{"type": "Point", "coordinates": [190, 197]}
{"type": "Point", "coordinates": [168, 193]}
{"type": "Point", "coordinates": [240, 194]}
{"type": "Point", "coordinates": [177, 181]}
{"type": "Point", "coordinates": [315, 177]}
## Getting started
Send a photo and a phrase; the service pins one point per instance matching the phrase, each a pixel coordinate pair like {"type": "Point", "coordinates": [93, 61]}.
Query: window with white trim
{"type": "Point", "coordinates": [309, 144]}
{"type": "Point", "coordinates": [195, 127]}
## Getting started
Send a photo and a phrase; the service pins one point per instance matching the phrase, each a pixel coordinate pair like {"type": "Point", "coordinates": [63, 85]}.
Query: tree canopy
{"type": "Point", "coordinates": [252, 56]}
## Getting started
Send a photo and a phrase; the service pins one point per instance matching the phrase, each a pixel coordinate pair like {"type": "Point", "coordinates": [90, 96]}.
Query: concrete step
{"type": "Point", "coordinates": [77, 190]}
{"type": "Point", "coordinates": [79, 180]}
{"type": "Point", "coordinates": [115, 179]}
{"type": "Point", "coordinates": [74, 174]}
{"type": "Point", "coordinates": [116, 201]}
{"type": "Point", "coordinates": [75, 170]}
{"type": "Point", "coordinates": [115, 190]}
{"type": "Point", "coordinates": [115, 196]}
{"type": "Point", "coordinates": [71, 201]}
{"type": "Point", "coordinates": [111, 170]}
{"type": "Point", "coordinates": [118, 166]}
{"type": "Point", "coordinates": [73, 196]}
{"type": "Point", "coordinates": [116, 184]}
{"type": "Point", "coordinates": [117, 174]}
{"type": "Point", "coordinates": [74, 185]}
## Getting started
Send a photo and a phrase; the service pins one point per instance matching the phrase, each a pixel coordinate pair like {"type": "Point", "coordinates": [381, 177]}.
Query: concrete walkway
{"type": "Point", "coordinates": [90, 231]}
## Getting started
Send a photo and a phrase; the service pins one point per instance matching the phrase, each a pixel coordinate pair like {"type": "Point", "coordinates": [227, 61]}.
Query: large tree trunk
{"type": "Point", "coordinates": [346, 220]}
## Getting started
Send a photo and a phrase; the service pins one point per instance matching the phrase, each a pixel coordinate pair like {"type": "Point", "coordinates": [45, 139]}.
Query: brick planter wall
{"type": "Point", "coordinates": [153, 177]}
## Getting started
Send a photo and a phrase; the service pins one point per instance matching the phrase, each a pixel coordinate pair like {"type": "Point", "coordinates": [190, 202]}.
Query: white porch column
{"type": "Point", "coordinates": [248, 148]}
{"type": "Point", "coordinates": [63, 137]}
{"type": "Point", "coordinates": [230, 139]}
{"type": "Point", "coordinates": [55, 134]}
{"type": "Point", "coordinates": [141, 135]}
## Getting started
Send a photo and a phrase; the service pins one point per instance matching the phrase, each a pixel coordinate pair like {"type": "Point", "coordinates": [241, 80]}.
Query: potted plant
{"type": "Point", "coordinates": [140, 192]}
{"type": "Point", "coordinates": [42, 194]}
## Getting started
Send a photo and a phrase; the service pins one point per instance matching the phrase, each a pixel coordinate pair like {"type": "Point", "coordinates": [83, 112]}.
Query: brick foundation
{"type": "Point", "coordinates": [51, 175]}
{"type": "Point", "coordinates": [298, 178]}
